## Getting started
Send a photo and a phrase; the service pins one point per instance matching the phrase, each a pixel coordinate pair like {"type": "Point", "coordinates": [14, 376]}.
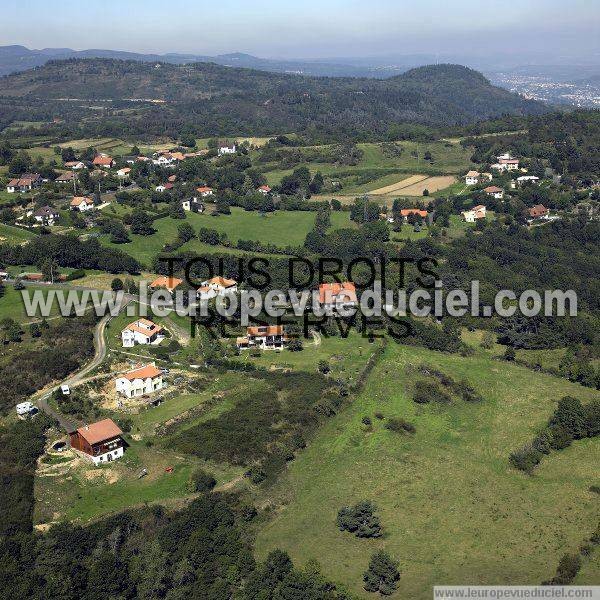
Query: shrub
{"type": "Point", "coordinates": [382, 575]}
{"type": "Point", "coordinates": [426, 392]}
{"type": "Point", "coordinates": [202, 481]}
{"type": "Point", "coordinates": [379, 415]}
{"type": "Point", "coordinates": [360, 519]}
{"type": "Point", "coordinates": [526, 459]}
{"type": "Point", "coordinates": [400, 425]}
{"type": "Point", "coordinates": [366, 421]}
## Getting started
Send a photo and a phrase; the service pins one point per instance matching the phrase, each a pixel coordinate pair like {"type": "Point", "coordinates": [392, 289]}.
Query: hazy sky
{"type": "Point", "coordinates": [308, 28]}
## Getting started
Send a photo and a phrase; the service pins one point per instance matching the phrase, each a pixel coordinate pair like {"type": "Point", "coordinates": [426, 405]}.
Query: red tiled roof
{"type": "Point", "coordinates": [77, 200]}
{"type": "Point", "coordinates": [142, 373]}
{"type": "Point", "coordinates": [264, 330]}
{"type": "Point", "coordinates": [405, 212]}
{"type": "Point", "coordinates": [100, 431]}
{"type": "Point", "coordinates": [329, 292]}
{"type": "Point", "coordinates": [102, 160]}
{"type": "Point", "coordinates": [169, 283]}
{"type": "Point", "coordinates": [492, 189]}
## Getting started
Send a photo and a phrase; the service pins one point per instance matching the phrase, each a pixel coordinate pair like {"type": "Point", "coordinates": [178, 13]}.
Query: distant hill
{"type": "Point", "coordinates": [19, 58]}
{"type": "Point", "coordinates": [220, 100]}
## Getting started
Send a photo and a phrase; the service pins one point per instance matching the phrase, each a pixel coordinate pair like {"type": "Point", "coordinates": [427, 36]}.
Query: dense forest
{"type": "Point", "coordinates": [209, 99]}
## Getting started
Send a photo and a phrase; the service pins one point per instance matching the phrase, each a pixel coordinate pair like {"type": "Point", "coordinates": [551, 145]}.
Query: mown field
{"type": "Point", "coordinates": [379, 168]}
{"type": "Point", "coordinates": [452, 509]}
{"type": "Point", "coordinates": [282, 228]}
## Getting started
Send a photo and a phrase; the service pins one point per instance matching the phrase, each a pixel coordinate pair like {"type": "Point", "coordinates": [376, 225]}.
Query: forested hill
{"type": "Point", "coordinates": [223, 98]}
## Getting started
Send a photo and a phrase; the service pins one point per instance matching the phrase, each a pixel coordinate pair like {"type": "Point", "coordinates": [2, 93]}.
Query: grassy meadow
{"type": "Point", "coordinates": [450, 504]}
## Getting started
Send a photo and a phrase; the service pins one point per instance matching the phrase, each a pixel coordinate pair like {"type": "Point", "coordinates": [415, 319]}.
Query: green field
{"type": "Point", "coordinates": [452, 509]}
{"type": "Point", "coordinates": [11, 303]}
{"type": "Point", "coordinates": [281, 228]}
{"type": "Point", "coordinates": [14, 235]}
{"type": "Point", "coordinates": [381, 170]}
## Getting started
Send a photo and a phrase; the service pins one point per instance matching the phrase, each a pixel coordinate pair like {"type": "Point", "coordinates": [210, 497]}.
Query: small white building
{"type": "Point", "coordinates": [142, 331]}
{"type": "Point", "coordinates": [527, 179]}
{"type": "Point", "coordinates": [472, 178]}
{"type": "Point", "coordinates": [205, 191]}
{"type": "Point", "coordinates": [226, 148]}
{"type": "Point", "coordinates": [476, 213]}
{"type": "Point", "coordinates": [139, 382]}
{"type": "Point", "coordinates": [46, 215]}
{"type": "Point", "coordinates": [124, 172]}
{"type": "Point", "coordinates": [81, 203]}
{"type": "Point", "coordinates": [264, 189]}
{"type": "Point", "coordinates": [192, 205]}
{"type": "Point", "coordinates": [75, 165]}
{"type": "Point", "coordinates": [217, 286]}
{"type": "Point", "coordinates": [495, 192]}
{"type": "Point", "coordinates": [338, 296]}
{"type": "Point", "coordinates": [99, 442]}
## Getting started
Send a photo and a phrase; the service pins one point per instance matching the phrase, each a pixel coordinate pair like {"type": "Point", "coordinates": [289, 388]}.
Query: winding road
{"type": "Point", "coordinates": [79, 376]}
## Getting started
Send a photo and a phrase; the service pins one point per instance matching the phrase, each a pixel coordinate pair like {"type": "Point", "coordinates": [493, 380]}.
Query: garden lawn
{"type": "Point", "coordinates": [452, 508]}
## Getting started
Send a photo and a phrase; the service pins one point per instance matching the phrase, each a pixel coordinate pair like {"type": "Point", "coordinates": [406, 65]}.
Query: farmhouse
{"type": "Point", "coordinates": [527, 179]}
{"type": "Point", "coordinates": [539, 211]}
{"type": "Point", "coordinates": [205, 191]}
{"type": "Point", "coordinates": [66, 177]}
{"type": "Point", "coordinates": [405, 213]}
{"type": "Point", "coordinates": [476, 213]}
{"type": "Point", "coordinates": [124, 172]}
{"type": "Point", "coordinates": [46, 215]}
{"type": "Point", "coordinates": [336, 296]}
{"type": "Point", "coordinates": [99, 442]}
{"type": "Point", "coordinates": [264, 189]}
{"type": "Point", "coordinates": [104, 161]}
{"type": "Point", "coordinates": [164, 160]}
{"type": "Point", "coordinates": [25, 183]}
{"type": "Point", "coordinates": [216, 286]}
{"type": "Point", "coordinates": [145, 380]}
{"type": "Point", "coordinates": [75, 165]}
{"type": "Point", "coordinates": [267, 337]}
{"type": "Point", "coordinates": [167, 283]}
{"type": "Point", "coordinates": [142, 331]}
{"type": "Point", "coordinates": [472, 178]}
{"type": "Point", "coordinates": [193, 205]}
{"type": "Point", "coordinates": [163, 187]}
{"type": "Point", "coordinates": [495, 192]}
{"type": "Point", "coordinates": [506, 163]}
{"type": "Point", "coordinates": [81, 203]}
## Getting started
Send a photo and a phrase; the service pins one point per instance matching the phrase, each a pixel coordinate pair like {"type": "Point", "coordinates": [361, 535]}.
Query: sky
{"type": "Point", "coordinates": [310, 28]}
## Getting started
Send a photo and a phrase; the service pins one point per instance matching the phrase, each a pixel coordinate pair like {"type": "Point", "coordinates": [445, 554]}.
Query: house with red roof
{"type": "Point", "coordinates": [168, 283]}
{"type": "Point", "coordinates": [25, 183]}
{"type": "Point", "coordinates": [336, 296]}
{"type": "Point", "coordinates": [142, 331]}
{"type": "Point", "coordinates": [205, 191]}
{"type": "Point", "coordinates": [104, 161]}
{"type": "Point", "coordinates": [494, 191]}
{"type": "Point", "coordinates": [539, 211]}
{"type": "Point", "coordinates": [216, 286]}
{"type": "Point", "coordinates": [139, 382]}
{"type": "Point", "coordinates": [81, 203]}
{"type": "Point", "coordinates": [264, 189]}
{"type": "Point", "coordinates": [100, 442]}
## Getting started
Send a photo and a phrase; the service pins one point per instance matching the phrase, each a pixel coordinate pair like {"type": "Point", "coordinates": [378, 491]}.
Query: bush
{"type": "Point", "coordinates": [360, 520]}
{"type": "Point", "coordinates": [202, 481]}
{"type": "Point", "coordinates": [382, 575]}
{"type": "Point", "coordinates": [426, 392]}
{"type": "Point", "coordinates": [526, 459]}
{"type": "Point", "coordinates": [400, 425]}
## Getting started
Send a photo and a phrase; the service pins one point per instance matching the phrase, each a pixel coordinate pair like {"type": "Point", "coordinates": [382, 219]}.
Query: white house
{"type": "Point", "coordinates": [138, 382]}
{"type": "Point", "coordinates": [46, 215]}
{"type": "Point", "coordinates": [506, 163]}
{"type": "Point", "coordinates": [264, 189]}
{"type": "Point", "coordinates": [75, 165]}
{"type": "Point", "coordinates": [124, 172]}
{"type": "Point", "coordinates": [476, 213]}
{"type": "Point", "coordinates": [164, 160]}
{"type": "Point", "coordinates": [217, 286]}
{"type": "Point", "coordinates": [205, 191]}
{"type": "Point", "coordinates": [266, 337]}
{"type": "Point", "coordinates": [25, 183]}
{"type": "Point", "coordinates": [142, 331]}
{"type": "Point", "coordinates": [192, 205]}
{"type": "Point", "coordinates": [226, 148]}
{"type": "Point", "coordinates": [494, 192]}
{"type": "Point", "coordinates": [527, 179]}
{"type": "Point", "coordinates": [82, 203]}
{"type": "Point", "coordinates": [472, 178]}
{"type": "Point", "coordinates": [99, 442]}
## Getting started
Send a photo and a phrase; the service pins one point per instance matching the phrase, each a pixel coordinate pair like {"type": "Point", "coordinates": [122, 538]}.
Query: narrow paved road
{"type": "Point", "coordinates": [65, 422]}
